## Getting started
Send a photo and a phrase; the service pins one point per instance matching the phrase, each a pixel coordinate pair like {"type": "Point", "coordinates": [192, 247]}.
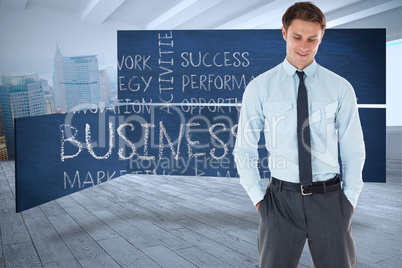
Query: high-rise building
{"type": "Point", "coordinates": [106, 92]}
{"type": "Point", "coordinates": [21, 95]}
{"type": "Point", "coordinates": [57, 65]}
{"type": "Point", "coordinates": [76, 82]}
{"type": "Point", "coordinates": [48, 96]}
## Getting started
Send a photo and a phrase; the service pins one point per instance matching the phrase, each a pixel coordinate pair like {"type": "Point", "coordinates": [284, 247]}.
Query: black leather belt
{"type": "Point", "coordinates": [314, 188]}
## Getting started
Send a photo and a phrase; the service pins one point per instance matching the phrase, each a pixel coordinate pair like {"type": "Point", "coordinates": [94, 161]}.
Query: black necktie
{"type": "Point", "coordinates": [303, 134]}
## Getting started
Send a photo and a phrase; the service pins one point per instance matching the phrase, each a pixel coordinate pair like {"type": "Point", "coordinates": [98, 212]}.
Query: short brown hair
{"type": "Point", "coordinates": [306, 11]}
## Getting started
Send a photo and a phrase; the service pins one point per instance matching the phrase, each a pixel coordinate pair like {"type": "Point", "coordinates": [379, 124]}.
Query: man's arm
{"type": "Point", "coordinates": [352, 148]}
{"type": "Point", "coordinates": [251, 122]}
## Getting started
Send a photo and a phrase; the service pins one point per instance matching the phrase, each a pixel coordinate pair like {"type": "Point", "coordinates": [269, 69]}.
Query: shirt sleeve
{"type": "Point", "coordinates": [251, 122]}
{"type": "Point", "coordinates": [352, 148]}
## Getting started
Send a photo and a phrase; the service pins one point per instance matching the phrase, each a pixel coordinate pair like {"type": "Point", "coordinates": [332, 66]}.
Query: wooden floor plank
{"type": "Point", "coordinates": [71, 263]}
{"type": "Point", "coordinates": [90, 223]}
{"type": "Point", "coordinates": [87, 252]}
{"type": "Point", "coordinates": [10, 175]}
{"type": "Point", "coordinates": [2, 264]}
{"type": "Point", "coordinates": [149, 188]}
{"type": "Point", "coordinates": [102, 201]}
{"type": "Point", "coordinates": [201, 258]}
{"type": "Point", "coordinates": [173, 221]}
{"type": "Point", "coordinates": [305, 259]}
{"type": "Point", "coordinates": [52, 209]}
{"type": "Point", "coordinates": [212, 202]}
{"type": "Point", "coordinates": [391, 262]}
{"type": "Point", "coordinates": [125, 254]}
{"type": "Point", "coordinates": [145, 208]}
{"type": "Point", "coordinates": [48, 243]}
{"type": "Point", "coordinates": [167, 258]}
{"type": "Point", "coordinates": [125, 229]}
{"type": "Point", "coordinates": [21, 255]}
{"type": "Point", "coordinates": [12, 226]}
{"type": "Point", "coordinates": [246, 235]}
{"type": "Point", "coordinates": [231, 257]}
{"type": "Point", "coordinates": [223, 238]}
{"type": "Point", "coordinates": [87, 202]}
{"type": "Point", "coordinates": [7, 199]}
{"type": "Point", "coordinates": [13, 229]}
{"type": "Point", "coordinates": [215, 217]}
{"type": "Point", "coordinates": [213, 220]}
{"type": "Point", "coordinates": [153, 231]}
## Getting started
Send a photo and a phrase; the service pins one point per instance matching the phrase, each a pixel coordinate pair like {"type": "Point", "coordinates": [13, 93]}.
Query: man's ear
{"type": "Point", "coordinates": [284, 33]}
{"type": "Point", "coordinates": [322, 36]}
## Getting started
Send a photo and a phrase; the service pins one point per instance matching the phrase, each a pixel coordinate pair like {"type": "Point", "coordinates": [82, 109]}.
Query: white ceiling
{"type": "Point", "coordinates": [215, 14]}
{"type": "Point", "coordinates": [31, 29]}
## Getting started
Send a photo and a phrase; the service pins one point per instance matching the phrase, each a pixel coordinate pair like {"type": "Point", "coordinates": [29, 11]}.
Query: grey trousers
{"type": "Point", "coordinates": [287, 219]}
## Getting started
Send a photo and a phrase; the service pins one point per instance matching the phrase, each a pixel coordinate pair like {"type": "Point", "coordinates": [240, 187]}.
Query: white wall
{"type": "Point", "coordinates": [29, 41]}
{"type": "Point", "coordinates": [29, 38]}
{"type": "Point", "coordinates": [394, 83]}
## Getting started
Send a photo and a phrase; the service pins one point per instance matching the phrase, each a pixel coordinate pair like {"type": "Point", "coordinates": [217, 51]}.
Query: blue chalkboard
{"type": "Point", "coordinates": [59, 154]}
{"type": "Point", "coordinates": [192, 66]}
{"type": "Point", "coordinates": [358, 55]}
{"type": "Point", "coordinates": [373, 124]}
{"type": "Point", "coordinates": [214, 66]}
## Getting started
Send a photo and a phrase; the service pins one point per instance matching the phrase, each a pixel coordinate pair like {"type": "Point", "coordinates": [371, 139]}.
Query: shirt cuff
{"type": "Point", "coordinates": [256, 195]}
{"type": "Point", "coordinates": [352, 196]}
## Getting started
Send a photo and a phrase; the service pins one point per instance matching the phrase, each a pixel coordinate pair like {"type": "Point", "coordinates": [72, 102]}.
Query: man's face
{"type": "Point", "coordinates": [302, 41]}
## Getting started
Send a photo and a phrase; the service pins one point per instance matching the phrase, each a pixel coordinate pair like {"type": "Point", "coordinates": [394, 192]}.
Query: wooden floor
{"type": "Point", "coordinates": [173, 221]}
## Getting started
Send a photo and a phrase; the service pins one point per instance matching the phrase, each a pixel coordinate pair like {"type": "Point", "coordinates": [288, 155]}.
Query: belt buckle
{"type": "Point", "coordinates": [302, 191]}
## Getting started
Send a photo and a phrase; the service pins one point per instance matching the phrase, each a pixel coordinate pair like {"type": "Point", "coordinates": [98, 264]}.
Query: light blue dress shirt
{"type": "Point", "coordinates": [269, 103]}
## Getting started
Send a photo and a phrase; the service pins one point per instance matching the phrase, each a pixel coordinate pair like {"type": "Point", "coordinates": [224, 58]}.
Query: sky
{"type": "Point", "coordinates": [29, 39]}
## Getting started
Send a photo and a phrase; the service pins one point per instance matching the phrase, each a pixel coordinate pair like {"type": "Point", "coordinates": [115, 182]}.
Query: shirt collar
{"type": "Point", "coordinates": [291, 70]}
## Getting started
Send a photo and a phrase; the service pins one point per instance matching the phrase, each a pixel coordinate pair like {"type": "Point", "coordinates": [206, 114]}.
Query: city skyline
{"type": "Point", "coordinates": [46, 71]}
{"type": "Point", "coordinates": [26, 93]}
{"type": "Point", "coordinates": [29, 42]}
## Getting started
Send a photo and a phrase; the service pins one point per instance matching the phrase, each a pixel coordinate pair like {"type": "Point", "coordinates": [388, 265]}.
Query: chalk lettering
{"type": "Point", "coordinates": [91, 178]}
{"type": "Point", "coordinates": [99, 176]}
{"type": "Point", "coordinates": [134, 83]}
{"type": "Point", "coordinates": [167, 71]}
{"type": "Point", "coordinates": [218, 174]}
{"type": "Point", "coordinates": [130, 144]}
{"type": "Point", "coordinates": [212, 81]}
{"type": "Point", "coordinates": [163, 43]}
{"type": "Point", "coordinates": [191, 143]}
{"type": "Point", "coordinates": [88, 180]}
{"type": "Point", "coordinates": [138, 63]}
{"type": "Point", "coordinates": [163, 133]}
{"type": "Point", "coordinates": [168, 35]}
{"type": "Point", "coordinates": [71, 139]}
{"type": "Point", "coordinates": [225, 147]}
{"type": "Point", "coordinates": [146, 127]}
{"type": "Point", "coordinates": [137, 106]}
{"type": "Point", "coordinates": [225, 59]}
{"type": "Point", "coordinates": [76, 177]}
{"type": "Point", "coordinates": [166, 58]}
{"type": "Point", "coordinates": [89, 141]}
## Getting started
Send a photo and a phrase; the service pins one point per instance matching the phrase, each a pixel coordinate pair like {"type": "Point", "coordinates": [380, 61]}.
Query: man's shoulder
{"type": "Point", "coordinates": [260, 83]}
{"type": "Point", "coordinates": [337, 82]}
{"type": "Point", "coordinates": [269, 73]}
{"type": "Point", "coordinates": [322, 71]}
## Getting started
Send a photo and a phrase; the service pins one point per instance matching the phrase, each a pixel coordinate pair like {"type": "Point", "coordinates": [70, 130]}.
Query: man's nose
{"type": "Point", "coordinates": [304, 45]}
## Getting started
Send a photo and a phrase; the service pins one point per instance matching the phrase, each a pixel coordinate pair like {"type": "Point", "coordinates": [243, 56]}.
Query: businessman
{"type": "Point", "coordinates": [305, 111]}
